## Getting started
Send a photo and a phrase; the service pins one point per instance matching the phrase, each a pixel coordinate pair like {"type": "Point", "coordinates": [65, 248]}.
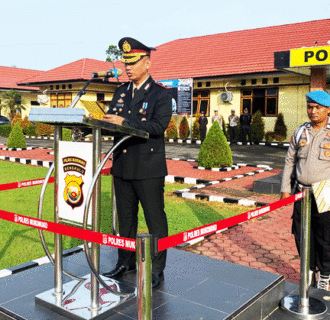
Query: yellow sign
{"type": "Point", "coordinates": [309, 56]}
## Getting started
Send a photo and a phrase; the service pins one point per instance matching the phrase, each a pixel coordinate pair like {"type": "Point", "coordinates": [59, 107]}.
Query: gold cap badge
{"type": "Point", "coordinates": [126, 47]}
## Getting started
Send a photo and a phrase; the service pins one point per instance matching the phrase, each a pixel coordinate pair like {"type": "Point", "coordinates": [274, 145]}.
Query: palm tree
{"type": "Point", "coordinates": [12, 102]}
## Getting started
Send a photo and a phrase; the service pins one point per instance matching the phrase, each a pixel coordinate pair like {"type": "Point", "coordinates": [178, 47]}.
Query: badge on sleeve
{"type": "Point", "coordinates": [145, 106]}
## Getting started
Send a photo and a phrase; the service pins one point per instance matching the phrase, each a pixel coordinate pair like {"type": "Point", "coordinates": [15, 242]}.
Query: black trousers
{"type": "Point", "coordinates": [320, 236]}
{"type": "Point", "coordinates": [246, 132]}
{"type": "Point", "coordinates": [202, 133]}
{"type": "Point", "coordinates": [233, 134]}
{"type": "Point", "coordinates": [150, 193]}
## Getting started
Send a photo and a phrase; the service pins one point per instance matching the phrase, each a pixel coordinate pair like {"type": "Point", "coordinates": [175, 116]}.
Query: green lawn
{"type": "Point", "coordinates": [19, 244]}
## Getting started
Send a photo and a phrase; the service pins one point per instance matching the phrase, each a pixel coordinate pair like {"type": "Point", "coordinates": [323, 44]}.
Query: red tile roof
{"type": "Point", "coordinates": [239, 52]}
{"type": "Point", "coordinates": [231, 53]}
{"type": "Point", "coordinates": [9, 76]}
{"type": "Point", "coordinates": [77, 70]}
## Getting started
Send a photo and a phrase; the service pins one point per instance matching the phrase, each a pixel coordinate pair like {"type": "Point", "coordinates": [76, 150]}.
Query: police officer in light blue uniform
{"type": "Point", "coordinates": [139, 165]}
{"type": "Point", "coordinates": [308, 159]}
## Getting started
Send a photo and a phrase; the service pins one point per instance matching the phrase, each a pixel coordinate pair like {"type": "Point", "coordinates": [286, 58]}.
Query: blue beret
{"type": "Point", "coordinates": [320, 97]}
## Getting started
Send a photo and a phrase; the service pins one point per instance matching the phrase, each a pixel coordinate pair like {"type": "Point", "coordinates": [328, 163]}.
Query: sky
{"type": "Point", "coordinates": [43, 35]}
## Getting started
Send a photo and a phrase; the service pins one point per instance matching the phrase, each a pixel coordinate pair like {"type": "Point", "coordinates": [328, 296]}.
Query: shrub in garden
{"type": "Point", "coordinates": [172, 130]}
{"type": "Point", "coordinates": [215, 151]}
{"type": "Point", "coordinates": [195, 129]}
{"type": "Point", "coordinates": [280, 129]}
{"type": "Point", "coordinates": [17, 119]}
{"type": "Point", "coordinates": [16, 137]}
{"type": "Point", "coordinates": [43, 129]}
{"type": "Point", "coordinates": [25, 124]}
{"type": "Point", "coordinates": [30, 131]}
{"type": "Point", "coordinates": [184, 128]}
{"type": "Point", "coordinates": [66, 134]}
{"type": "Point", "coordinates": [257, 127]}
{"type": "Point", "coordinates": [269, 136]}
{"type": "Point", "coordinates": [5, 130]}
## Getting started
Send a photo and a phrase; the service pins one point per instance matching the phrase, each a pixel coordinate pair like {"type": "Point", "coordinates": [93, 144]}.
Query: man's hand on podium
{"type": "Point", "coordinates": [113, 119]}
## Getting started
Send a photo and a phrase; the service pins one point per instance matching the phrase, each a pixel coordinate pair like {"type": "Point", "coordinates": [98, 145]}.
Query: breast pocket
{"type": "Point", "coordinates": [324, 151]}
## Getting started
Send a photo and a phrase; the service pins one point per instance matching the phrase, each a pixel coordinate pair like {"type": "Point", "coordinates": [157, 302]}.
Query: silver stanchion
{"type": "Point", "coordinates": [114, 211]}
{"type": "Point", "coordinates": [144, 268]}
{"type": "Point", "coordinates": [302, 306]}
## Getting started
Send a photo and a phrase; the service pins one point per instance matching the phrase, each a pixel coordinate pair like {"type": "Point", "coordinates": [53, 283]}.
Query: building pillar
{"type": "Point", "coordinates": [318, 78]}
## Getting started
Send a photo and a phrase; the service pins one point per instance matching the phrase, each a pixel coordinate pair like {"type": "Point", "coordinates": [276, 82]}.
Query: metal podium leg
{"type": "Point", "coordinates": [143, 257]}
{"type": "Point", "coordinates": [301, 306]}
{"type": "Point", "coordinates": [96, 213]}
{"type": "Point", "coordinates": [57, 237]}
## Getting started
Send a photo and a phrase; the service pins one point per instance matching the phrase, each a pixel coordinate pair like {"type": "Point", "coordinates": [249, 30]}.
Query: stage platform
{"type": "Point", "coordinates": [270, 185]}
{"type": "Point", "coordinates": [195, 287]}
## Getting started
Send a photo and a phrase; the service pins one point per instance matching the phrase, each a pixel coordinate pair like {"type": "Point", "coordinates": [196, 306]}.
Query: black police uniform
{"type": "Point", "coordinates": [202, 127]}
{"type": "Point", "coordinates": [139, 165]}
{"type": "Point", "coordinates": [245, 120]}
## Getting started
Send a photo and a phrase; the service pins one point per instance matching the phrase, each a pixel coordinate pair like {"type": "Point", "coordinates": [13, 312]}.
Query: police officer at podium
{"type": "Point", "coordinates": [308, 160]}
{"type": "Point", "coordinates": [139, 165]}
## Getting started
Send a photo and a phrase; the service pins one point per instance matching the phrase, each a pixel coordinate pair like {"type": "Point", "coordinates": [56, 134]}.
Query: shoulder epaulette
{"type": "Point", "coordinates": [300, 131]}
{"type": "Point", "coordinates": [161, 85]}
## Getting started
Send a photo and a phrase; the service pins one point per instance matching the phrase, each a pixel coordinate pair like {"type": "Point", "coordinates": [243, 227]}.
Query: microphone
{"type": "Point", "coordinates": [113, 73]}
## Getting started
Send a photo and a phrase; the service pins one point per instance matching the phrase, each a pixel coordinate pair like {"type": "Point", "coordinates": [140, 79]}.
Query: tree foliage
{"type": "Point", "coordinates": [113, 53]}
{"type": "Point", "coordinates": [280, 129]}
{"type": "Point", "coordinates": [184, 130]}
{"type": "Point", "coordinates": [172, 130]}
{"type": "Point", "coordinates": [12, 101]}
{"type": "Point", "coordinates": [257, 127]}
{"type": "Point", "coordinates": [215, 151]}
{"type": "Point", "coordinates": [195, 129]}
{"type": "Point", "coordinates": [16, 137]}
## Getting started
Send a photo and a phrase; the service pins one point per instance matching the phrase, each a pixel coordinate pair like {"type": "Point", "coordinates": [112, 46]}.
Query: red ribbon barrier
{"type": "Point", "coordinates": [92, 236]}
{"type": "Point", "coordinates": [163, 244]}
{"type": "Point", "coordinates": [23, 184]}
{"type": "Point", "coordinates": [172, 241]}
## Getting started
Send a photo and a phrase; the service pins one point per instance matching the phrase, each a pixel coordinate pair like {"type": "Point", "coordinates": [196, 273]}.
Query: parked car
{"type": "Point", "coordinates": [4, 120]}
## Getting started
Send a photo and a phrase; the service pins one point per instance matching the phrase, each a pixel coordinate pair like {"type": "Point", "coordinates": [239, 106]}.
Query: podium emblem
{"type": "Point", "coordinates": [73, 194]}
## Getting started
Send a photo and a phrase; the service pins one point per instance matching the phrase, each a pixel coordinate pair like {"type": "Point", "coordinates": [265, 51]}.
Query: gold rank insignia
{"type": "Point", "coordinates": [302, 143]}
{"type": "Point", "coordinates": [326, 146]}
{"type": "Point", "coordinates": [327, 154]}
{"type": "Point", "coordinates": [126, 47]}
